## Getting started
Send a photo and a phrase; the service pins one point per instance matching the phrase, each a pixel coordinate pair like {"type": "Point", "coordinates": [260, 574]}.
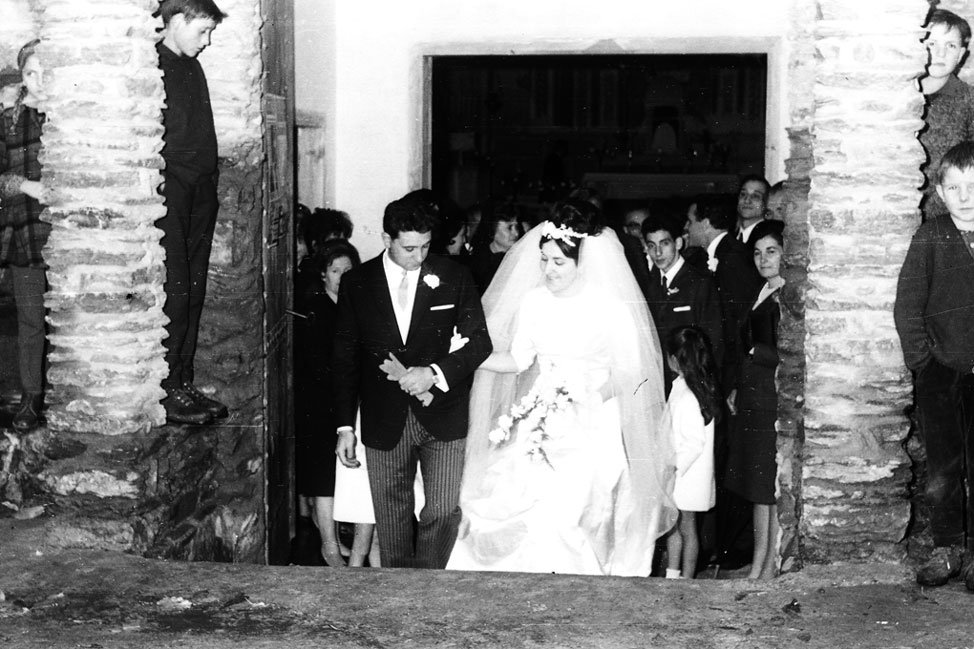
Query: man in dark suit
{"type": "Point", "coordinates": [710, 223]}
{"type": "Point", "coordinates": [709, 220]}
{"type": "Point", "coordinates": [680, 294]}
{"type": "Point", "coordinates": [405, 308]}
{"type": "Point", "coordinates": [752, 205]}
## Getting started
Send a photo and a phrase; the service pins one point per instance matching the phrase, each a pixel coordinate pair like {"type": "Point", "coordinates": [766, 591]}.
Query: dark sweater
{"type": "Point", "coordinates": [934, 311]}
{"type": "Point", "coordinates": [949, 119]}
{"type": "Point", "coordinates": [190, 139]}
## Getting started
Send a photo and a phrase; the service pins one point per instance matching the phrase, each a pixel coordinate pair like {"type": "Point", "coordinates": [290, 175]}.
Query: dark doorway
{"type": "Point", "coordinates": [534, 127]}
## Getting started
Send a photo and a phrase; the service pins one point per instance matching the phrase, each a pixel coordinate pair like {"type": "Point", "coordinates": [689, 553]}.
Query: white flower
{"type": "Point", "coordinates": [496, 436]}
{"type": "Point", "coordinates": [672, 291]}
{"type": "Point", "coordinates": [431, 280]}
{"type": "Point", "coordinates": [505, 422]}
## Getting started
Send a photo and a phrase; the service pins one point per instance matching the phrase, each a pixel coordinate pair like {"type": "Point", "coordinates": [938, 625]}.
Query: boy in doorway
{"type": "Point", "coordinates": [949, 114]}
{"type": "Point", "coordinates": [934, 315]}
{"type": "Point", "coordinates": [190, 190]}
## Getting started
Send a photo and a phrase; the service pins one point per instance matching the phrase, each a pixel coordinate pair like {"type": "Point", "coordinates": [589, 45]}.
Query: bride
{"type": "Point", "coordinates": [567, 466]}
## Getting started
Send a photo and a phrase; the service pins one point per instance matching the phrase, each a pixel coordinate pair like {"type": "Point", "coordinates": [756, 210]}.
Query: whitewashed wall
{"type": "Point", "coordinates": [367, 76]}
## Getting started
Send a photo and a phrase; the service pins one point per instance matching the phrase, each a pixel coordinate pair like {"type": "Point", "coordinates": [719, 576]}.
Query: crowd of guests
{"type": "Point", "coordinates": [707, 274]}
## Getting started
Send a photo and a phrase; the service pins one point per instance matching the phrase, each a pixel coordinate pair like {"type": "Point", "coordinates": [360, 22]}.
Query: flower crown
{"type": "Point", "coordinates": [551, 231]}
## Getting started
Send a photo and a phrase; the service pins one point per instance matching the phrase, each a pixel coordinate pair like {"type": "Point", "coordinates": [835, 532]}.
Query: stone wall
{"type": "Point", "coordinates": [101, 153]}
{"type": "Point", "coordinates": [862, 212]}
{"type": "Point", "coordinates": [109, 472]}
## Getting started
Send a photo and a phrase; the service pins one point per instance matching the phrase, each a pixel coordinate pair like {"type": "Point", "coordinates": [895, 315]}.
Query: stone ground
{"type": "Point", "coordinates": [104, 600]}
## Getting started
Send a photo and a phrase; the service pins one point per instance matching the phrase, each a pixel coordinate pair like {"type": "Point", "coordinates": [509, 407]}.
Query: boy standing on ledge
{"type": "Point", "coordinates": [190, 182]}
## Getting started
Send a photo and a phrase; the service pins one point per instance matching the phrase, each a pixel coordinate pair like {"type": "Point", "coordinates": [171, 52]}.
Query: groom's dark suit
{"type": "Point", "coordinates": [366, 332]}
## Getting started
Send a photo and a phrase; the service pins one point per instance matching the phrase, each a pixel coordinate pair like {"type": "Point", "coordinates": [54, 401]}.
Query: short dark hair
{"type": "Point", "coordinates": [952, 21]}
{"type": "Point", "coordinates": [411, 213]}
{"type": "Point", "coordinates": [767, 228]}
{"type": "Point", "coordinates": [719, 209]}
{"type": "Point", "coordinates": [335, 249]}
{"type": "Point", "coordinates": [191, 9]}
{"type": "Point", "coordinates": [960, 156]}
{"type": "Point", "coordinates": [657, 222]}
{"type": "Point", "coordinates": [755, 178]}
{"type": "Point", "coordinates": [582, 217]}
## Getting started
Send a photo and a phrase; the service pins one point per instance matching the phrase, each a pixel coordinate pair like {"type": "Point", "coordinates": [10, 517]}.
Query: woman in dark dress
{"type": "Point", "coordinates": [316, 297]}
{"type": "Point", "coordinates": [497, 232]}
{"type": "Point", "coordinates": [751, 464]}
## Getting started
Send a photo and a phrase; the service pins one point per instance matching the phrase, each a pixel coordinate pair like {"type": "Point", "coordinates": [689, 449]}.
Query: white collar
{"type": "Point", "coordinates": [712, 248]}
{"type": "Point", "coordinates": [674, 269]}
{"type": "Point", "coordinates": [746, 232]}
{"type": "Point", "coordinates": [394, 271]}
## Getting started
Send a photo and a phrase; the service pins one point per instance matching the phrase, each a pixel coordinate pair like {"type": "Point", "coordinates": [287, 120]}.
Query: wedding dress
{"type": "Point", "coordinates": [588, 489]}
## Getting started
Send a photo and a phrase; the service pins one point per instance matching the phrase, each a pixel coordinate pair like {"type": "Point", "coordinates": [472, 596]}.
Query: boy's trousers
{"type": "Point", "coordinates": [188, 226]}
{"type": "Point", "coordinates": [945, 410]}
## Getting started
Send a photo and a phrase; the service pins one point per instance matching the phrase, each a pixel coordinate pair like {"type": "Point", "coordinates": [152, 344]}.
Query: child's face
{"type": "Point", "coordinates": [188, 37]}
{"type": "Point", "coordinates": [33, 78]}
{"type": "Point", "coordinates": [957, 190]}
{"type": "Point", "coordinates": [945, 49]}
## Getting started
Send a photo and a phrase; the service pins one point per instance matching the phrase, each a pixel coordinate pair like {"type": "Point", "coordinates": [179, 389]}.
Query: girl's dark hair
{"type": "Point", "coordinates": [26, 52]}
{"type": "Point", "coordinates": [582, 217]}
{"type": "Point", "coordinates": [691, 348]}
{"type": "Point", "coordinates": [334, 249]}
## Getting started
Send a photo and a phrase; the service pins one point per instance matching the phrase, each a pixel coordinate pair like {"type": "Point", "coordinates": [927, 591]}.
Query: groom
{"type": "Point", "coordinates": [408, 305]}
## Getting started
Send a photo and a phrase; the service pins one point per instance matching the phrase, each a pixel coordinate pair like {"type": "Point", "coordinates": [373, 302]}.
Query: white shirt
{"type": "Point", "coordinates": [404, 316]}
{"type": "Point", "coordinates": [674, 269]}
{"type": "Point", "coordinates": [712, 252]}
{"type": "Point", "coordinates": [394, 278]}
{"type": "Point", "coordinates": [746, 232]}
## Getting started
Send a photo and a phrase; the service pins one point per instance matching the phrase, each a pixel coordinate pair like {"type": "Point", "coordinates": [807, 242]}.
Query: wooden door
{"type": "Point", "coordinates": [278, 219]}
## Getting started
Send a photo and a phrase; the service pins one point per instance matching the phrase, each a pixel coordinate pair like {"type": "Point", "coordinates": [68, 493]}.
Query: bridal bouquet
{"type": "Point", "coordinates": [530, 415]}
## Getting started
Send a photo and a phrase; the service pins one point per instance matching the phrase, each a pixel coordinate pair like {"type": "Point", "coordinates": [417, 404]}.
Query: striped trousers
{"type": "Point", "coordinates": [391, 475]}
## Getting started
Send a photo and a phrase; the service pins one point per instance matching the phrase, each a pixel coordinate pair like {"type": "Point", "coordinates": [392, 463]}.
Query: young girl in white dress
{"type": "Point", "coordinates": [691, 411]}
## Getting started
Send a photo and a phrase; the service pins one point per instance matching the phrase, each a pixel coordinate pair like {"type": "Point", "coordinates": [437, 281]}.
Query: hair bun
{"type": "Point", "coordinates": [580, 216]}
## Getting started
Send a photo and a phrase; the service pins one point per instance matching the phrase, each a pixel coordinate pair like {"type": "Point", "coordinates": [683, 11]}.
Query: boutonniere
{"type": "Point", "coordinates": [672, 291]}
{"type": "Point", "coordinates": [431, 280]}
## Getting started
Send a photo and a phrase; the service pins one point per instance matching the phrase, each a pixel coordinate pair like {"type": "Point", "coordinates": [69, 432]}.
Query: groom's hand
{"type": "Point", "coordinates": [417, 380]}
{"type": "Point", "coordinates": [345, 448]}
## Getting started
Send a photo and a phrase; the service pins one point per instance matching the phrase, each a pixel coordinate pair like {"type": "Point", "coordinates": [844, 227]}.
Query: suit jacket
{"type": "Point", "coordinates": [738, 282]}
{"type": "Point", "coordinates": [691, 300]}
{"type": "Point", "coordinates": [366, 332]}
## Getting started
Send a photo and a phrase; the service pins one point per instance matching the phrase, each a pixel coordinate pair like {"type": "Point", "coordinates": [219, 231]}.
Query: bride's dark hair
{"type": "Point", "coordinates": [579, 216]}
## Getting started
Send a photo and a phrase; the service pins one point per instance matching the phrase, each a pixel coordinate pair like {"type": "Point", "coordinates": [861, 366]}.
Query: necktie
{"type": "Point", "coordinates": [740, 236]}
{"type": "Point", "coordinates": [403, 296]}
{"type": "Point", "coordinates": [665, 283]}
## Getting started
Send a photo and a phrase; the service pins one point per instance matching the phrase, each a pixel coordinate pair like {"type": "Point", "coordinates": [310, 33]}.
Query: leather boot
{"type": "Point", "coordinates": [28, 414]}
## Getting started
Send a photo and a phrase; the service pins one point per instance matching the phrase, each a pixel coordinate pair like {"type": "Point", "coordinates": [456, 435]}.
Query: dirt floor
{"type": "Point", "coordinates": [101, 600]}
